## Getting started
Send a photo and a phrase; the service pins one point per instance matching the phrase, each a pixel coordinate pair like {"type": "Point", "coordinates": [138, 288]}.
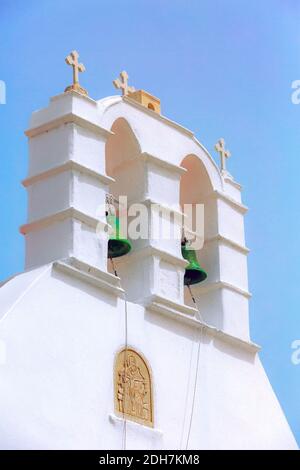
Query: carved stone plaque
{"type": "Point", "coordinates": [132, 388]}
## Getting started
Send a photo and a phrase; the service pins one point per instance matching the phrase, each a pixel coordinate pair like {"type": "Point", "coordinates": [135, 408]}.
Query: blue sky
{"type": "Point", "coordinates": [220, 68]}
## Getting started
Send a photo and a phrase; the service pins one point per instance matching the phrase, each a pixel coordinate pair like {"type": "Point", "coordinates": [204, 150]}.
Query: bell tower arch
{"type": "Point", "coordinates": [154, 160]}
{"type": "Point", "coordinates": [223, 297]}
{"type": "Point", "coordinates": [154, 269]}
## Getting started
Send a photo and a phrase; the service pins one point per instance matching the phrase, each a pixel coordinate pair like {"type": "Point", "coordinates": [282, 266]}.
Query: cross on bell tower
{"type": "Point", "coordinates": [72, 59]}
{"type": "Point", "coordinates": [122, 83]}
{"type": "Point", "coordinates": [220, 147]}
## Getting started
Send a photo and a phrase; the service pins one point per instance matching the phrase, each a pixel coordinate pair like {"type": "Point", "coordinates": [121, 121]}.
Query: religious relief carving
{"type": "Point", "coordinates": [133, 391]}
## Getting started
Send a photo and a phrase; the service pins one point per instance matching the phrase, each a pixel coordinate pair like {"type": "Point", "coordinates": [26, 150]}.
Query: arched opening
{"type": "Point", "coordinates": [133, 388]}
{"type": "Point", "coordinates": [195, 183]}
{"type": "Point", "coordinates": [122, 163]}
{"type": "Point", "coordinates": [151, 106]}
{"type": "Point", "coordinates": [197, 199]}
{"type": "Point", "coordinates": [121, 147]}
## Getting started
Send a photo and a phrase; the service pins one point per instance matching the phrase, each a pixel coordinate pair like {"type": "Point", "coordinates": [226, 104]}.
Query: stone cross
{"type": "Point", "coordinates": [122, 83]}
{"type": "Point", "coordinates": [220, 147]}
{"type": "Point", "coordinates": [72, 59]}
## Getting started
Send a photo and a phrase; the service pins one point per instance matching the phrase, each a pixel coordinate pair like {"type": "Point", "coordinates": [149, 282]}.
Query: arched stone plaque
{"type": "Point", "coordinates": [133, 388]}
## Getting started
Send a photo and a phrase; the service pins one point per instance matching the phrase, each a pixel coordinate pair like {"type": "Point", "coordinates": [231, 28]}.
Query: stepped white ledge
{"type": "Point", "coordinates": [70, 165]}
{"type": "Point", "coordinates": [162, 306]}
{"type": "Point", "coordinates": [68, 213]}
{"type": "Point", "coordinates": [66, 119]}
{"type": "Point", "coordinates": [227, 241]}
{"type": "Point", "coordinates": [228, 338]}
{"type": "Point", "coordinates": [91, 275]}
{"type": "Point", "coordinates": [212, 286]}
{"type": "Point", "coordinates": [232, 182]}
{"type": "Point", "coordinates": [64, 103]}
{"type": "Point", "coordinates": [152, 159]}
{"type": "Point", "coordinates": [237, 205]}
{"type": "Point", "coordinates": [167, 306]}
{"type": "Point", "coordinates": [163, 163]}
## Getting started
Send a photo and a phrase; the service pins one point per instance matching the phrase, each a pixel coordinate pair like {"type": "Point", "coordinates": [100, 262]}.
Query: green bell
{"type": "Point", "coordinates": [193, 272]}
{"type": "Point", "coordinates": [117, 246]}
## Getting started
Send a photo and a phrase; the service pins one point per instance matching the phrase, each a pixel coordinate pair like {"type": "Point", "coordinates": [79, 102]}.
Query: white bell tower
{"type": "Point", "coordinates": [89, 354]}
